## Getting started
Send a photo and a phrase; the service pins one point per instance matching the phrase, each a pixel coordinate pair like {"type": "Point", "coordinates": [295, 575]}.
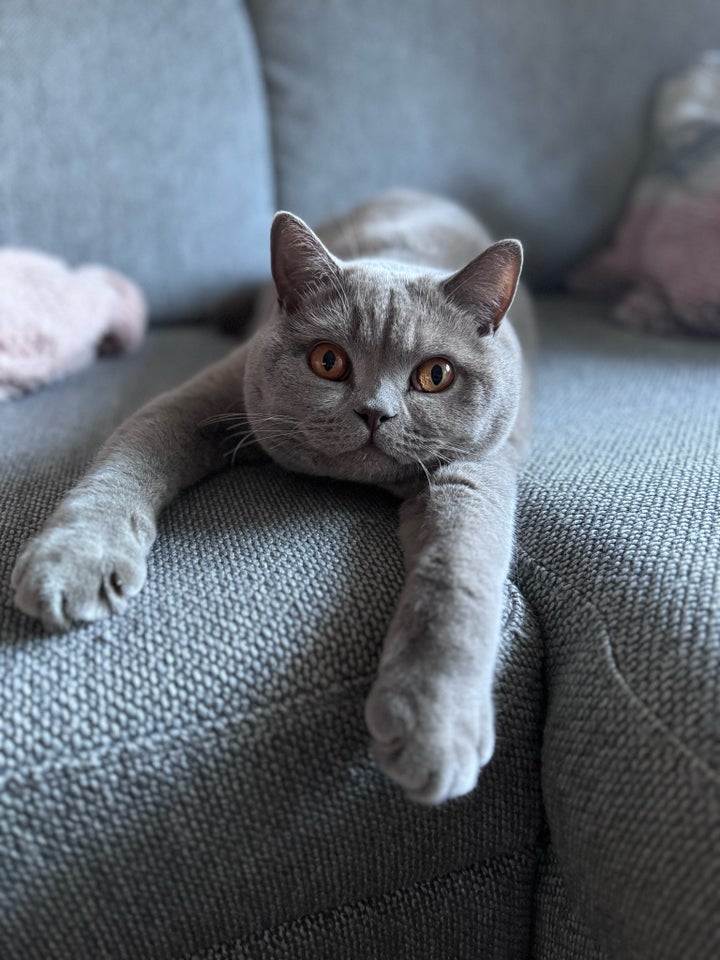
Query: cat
{"type": "Point", "coordinates": [389, 361]}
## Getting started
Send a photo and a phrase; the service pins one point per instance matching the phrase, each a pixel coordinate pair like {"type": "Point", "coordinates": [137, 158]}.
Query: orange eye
{"type": "Point", "coordinates": [433, 375]}
{"type": "Point", "coordinates": [329, 361]}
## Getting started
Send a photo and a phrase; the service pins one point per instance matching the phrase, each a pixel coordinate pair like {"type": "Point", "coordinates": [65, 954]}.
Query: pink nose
{"type": "Point", "coordinates": [373, 417]}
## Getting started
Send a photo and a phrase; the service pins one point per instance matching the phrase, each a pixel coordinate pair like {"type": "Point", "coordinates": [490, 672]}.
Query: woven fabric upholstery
{"type": "Point", "coordinates": [476, 912]}
{"type": "Point", "coordinates": [135, 134]}
{"type": "Point", "coordinates": [559, 931]}
{"type": "Point", "coordinates": [197, 772]}
{"type": "Point", "coordinates": [193, 779]}
{"type": "Point", "coordinates": [534, 114]}
{"type": "Point", "coordinates": [619, 555]}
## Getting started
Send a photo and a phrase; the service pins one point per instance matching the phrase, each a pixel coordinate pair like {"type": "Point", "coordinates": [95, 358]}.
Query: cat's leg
{"type": "Point", "coordinates": [430, 711]}
{"type": "Point", "coordinates": [90, 557]}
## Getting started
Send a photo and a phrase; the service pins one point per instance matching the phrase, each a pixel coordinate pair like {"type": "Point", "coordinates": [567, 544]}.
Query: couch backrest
{"type": "Point", "coordinates": [138, 133]}
{"type": "Point", "coordinates": [534, 112]}
{"type": "Point", "coordinates": [135, 134]}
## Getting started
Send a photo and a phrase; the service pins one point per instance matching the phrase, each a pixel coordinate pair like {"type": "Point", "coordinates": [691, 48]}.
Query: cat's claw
{"type": "Point", "coordinates": [432, 735]}
{"type": "Point", "coordinates": [70, 574]}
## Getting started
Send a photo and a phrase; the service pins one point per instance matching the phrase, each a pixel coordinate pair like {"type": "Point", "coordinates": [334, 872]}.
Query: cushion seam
{"type": "Point", "coordinates": [171, 734]}
{"type": "Point", "coordinates": [250, 939]}
{"type": "Point", "coordinates": [606, 640]}
{"type": "Point", "coordinates": [59, 763]}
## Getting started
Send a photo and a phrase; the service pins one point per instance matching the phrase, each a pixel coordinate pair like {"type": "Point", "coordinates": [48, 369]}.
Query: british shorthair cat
{"type": "Point", "coordinates": [384, 354]}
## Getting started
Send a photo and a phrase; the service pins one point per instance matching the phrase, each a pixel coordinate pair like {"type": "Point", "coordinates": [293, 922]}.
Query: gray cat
{"type": "Point", "coordinates": [389, 361]}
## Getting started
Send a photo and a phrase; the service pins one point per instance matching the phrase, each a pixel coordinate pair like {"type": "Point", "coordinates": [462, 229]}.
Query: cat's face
{"type": "Point", "coordinates": [372, 371]}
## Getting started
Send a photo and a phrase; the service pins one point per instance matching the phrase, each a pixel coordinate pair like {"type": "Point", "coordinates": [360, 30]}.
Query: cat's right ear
{"type": "Point", "coordinates": [485, 288]}
{"type": "Point", "coordinates": [300, 262]}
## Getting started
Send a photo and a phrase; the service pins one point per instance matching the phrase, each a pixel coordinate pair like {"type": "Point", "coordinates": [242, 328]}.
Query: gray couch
{"type": "Point", "coordinates": [193, 779]}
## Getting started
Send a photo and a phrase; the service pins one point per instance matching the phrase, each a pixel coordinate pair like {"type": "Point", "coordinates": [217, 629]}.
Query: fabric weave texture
{"type": "Point", "coordinates": [193, 779]}
{"type": "Point", "coordinates": [197, 771]}
{"type": "Point", "coordinates": [507, 107]}
{"type": "Point", "coordinates": [135, 135]}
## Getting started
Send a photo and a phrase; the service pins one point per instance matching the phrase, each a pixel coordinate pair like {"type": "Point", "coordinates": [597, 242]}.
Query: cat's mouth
{"type": "Point", "coordinates": [371, 447]}
{"type": "Point", "coordinates": [369, 450]}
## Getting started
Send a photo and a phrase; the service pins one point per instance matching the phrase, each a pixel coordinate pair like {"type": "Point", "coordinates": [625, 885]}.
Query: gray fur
{"type": "Point", "coordinates": [403, 283]}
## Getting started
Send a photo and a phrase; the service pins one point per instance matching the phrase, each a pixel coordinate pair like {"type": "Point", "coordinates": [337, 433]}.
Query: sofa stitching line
{"type": "Point", "coordinates": [173, 734]}
{"type": "Point", "coordinates": [59, 763]}
{"type": "Point", "coordinates": [516, 853]}
{"type": "Point", "coordinates": [649, 714]}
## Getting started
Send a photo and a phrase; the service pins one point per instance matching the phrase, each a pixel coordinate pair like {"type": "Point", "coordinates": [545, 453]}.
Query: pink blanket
{"type": "Point", "coordinates": [55, 320]}
{"type": "Point", "coordinates": [662, 270]}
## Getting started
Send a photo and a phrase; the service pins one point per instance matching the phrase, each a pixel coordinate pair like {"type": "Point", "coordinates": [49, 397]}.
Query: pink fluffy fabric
{"type": "Point", "coordinates": [54, 320]}
{"type": "Point", "coordinates": [661, 272]}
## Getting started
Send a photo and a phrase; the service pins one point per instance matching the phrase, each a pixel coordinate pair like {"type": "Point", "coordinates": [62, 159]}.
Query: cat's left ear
{"type": "Point", "coordinates": [300, 262]}
{"type": "Point", "coordinates": [486, 287]}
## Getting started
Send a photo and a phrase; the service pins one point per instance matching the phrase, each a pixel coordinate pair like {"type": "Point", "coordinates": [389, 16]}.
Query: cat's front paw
{"type": "Point", "coordinates": [432, 732]}
{"type": "Point", "coordinates": [76, 573]}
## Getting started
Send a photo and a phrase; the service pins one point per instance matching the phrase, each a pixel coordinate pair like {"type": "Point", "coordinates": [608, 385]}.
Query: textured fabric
{"type": "Point", "coordinates": [534, 114]}
{"type": "Point", "coordinates": [558, 932]}
{"type": "Point", "coordinates": [135, 134]}
{"type": "Point", "coordinates": [55, 320]}
{"type": "Point", "coordinates": [619, 555]}
{"type": "Point", "coordinates": [478, 912]}
{"type": "Point", "coordinates": [197, 772]}
{"type": "Point", "coordinates": [194, 777]}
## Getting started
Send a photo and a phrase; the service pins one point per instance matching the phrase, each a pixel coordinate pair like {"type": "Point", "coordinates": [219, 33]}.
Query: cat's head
{"type": "Point", "coordinates": [372, 370]}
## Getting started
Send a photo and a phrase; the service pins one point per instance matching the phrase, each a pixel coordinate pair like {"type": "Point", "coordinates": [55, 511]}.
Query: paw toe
{"type": "Point", "coordinates": [62, 580]}
{"type": "Point", "coordinates": [433, 747]}
{"type": "Point", "coordinates": [389, 717]}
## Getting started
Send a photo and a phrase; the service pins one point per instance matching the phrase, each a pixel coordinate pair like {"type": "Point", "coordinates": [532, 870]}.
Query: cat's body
{"type": "Point", "coordinates": [386, 362]}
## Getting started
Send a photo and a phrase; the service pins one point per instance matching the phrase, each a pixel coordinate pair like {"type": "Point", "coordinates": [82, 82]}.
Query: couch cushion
{"type": "Point", "coordinates": [532, 113]}
{"type": "Point", "coordinates": [197, 772]}
{"type": "Point", "coordinates": [135, 134]}
{"type": "Point", "coordinates": [558, 932]}
{"type": "Point", "coordinates": [619, 554]}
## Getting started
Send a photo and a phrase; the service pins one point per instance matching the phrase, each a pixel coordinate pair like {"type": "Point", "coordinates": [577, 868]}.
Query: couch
{"type": "Point", "coordinates": [193, 779]}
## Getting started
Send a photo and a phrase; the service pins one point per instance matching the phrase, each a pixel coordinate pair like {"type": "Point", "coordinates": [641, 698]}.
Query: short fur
{"type": "Point", "coordinates": [410, 277]}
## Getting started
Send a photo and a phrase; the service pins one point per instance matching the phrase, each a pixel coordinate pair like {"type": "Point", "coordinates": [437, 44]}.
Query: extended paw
{"type": "Point", "coordinates": [75, 573]}
{"type": "Point", "coordinates": [432, 732]}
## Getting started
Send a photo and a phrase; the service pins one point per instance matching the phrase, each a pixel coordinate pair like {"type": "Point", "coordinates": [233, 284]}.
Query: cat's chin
{"type": "Point", "coordinates": [370, 464]}
{"type": "Point", "coordinates": [367, 463]}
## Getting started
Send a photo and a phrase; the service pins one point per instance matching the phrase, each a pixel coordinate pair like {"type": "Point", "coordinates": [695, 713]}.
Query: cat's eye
{"type": "Point", "coordinates": [329, 361]}
{"type": "Point", "coordinates": [433, 375]}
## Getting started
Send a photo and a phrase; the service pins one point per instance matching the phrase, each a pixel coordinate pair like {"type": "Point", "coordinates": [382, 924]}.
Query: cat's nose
{"type": "Point", "coordinates": [373, 417]}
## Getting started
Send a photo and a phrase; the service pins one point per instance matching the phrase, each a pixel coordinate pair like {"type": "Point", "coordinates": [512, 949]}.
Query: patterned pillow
{"type": "Point", "coordinates": [662, 270]}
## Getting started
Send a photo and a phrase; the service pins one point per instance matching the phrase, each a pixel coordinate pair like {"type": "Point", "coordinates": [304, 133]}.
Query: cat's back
{"type": "Point", "coordinates": [409, 227]}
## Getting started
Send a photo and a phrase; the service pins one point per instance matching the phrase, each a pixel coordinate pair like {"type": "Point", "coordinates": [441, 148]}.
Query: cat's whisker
{"type": "Point", "coordinates": [276, 416]}
{"type": "Point", "coordinates": [424, 470]}
{"type": "Point", "coordinates": [269, 439]}
{"type": "Point", "coordinates": [234, 452]}
{"type": "Point", "coordinates": [247, 437]}
{"type": "Point", "coordinates": [221, 418]}
{"type": "Point", "coordinates": [453, 453]}
{"type": "Point", "coordinates": [272, 440]}
{"type": "Point", "coordinates": [245, 441]}
{"type": "Point", "coordinates": [247, 431]}
{"type": "Point", "coordinates": [242, 418]}
{"type": "Point", "coordinates": [237, 427]}
{"type": "Point", "coordinates": [438, 448]}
